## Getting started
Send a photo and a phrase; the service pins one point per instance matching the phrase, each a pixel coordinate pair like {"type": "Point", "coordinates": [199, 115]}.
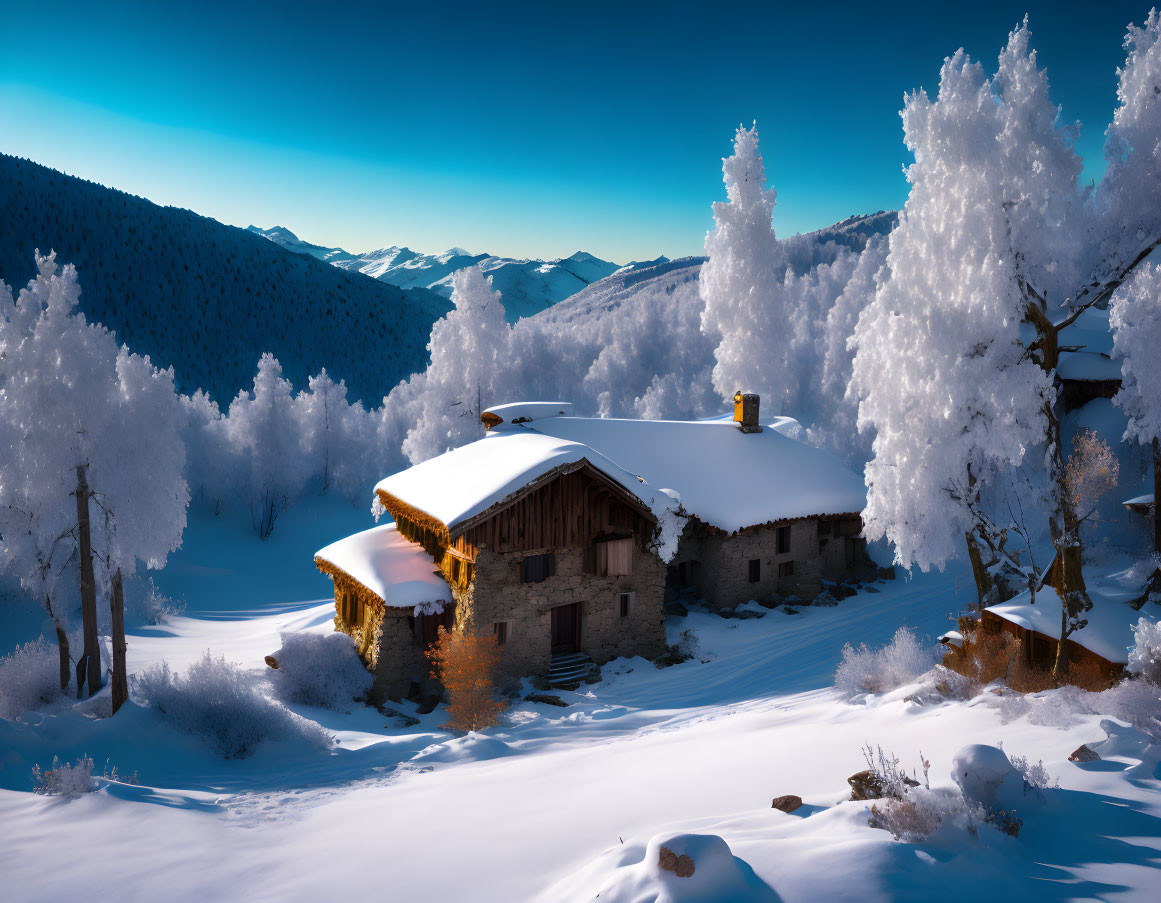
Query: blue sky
{"type": "Point", "coordinates": [524, 129]}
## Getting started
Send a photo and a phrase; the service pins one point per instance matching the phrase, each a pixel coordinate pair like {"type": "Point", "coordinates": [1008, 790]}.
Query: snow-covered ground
{"type": "Point", "coordinates": [559, 803]}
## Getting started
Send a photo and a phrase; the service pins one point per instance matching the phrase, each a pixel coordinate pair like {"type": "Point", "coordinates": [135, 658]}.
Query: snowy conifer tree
{"type": "Point", "coordinates": [339, 436]}
{"type": "Point", "coordinates": [469, 348]}
{"type": "Point", "coordinates": [1135, 316]}
{"type": "Point", "coordinates": [264, 430]}
{"type": "Point", "coordinates": [741, 284]}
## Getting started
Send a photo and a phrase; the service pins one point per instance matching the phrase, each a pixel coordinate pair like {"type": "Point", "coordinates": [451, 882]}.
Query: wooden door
{"type": "Point", "coordinates": [432, 623]}
{"type": "Point", "coordinates": [566, 628]}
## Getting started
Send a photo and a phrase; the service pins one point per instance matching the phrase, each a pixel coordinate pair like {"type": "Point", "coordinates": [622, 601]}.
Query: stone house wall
{"type": "Point", "coordinates": [396, 651]}
{"type": "Point", "coordinates": [496, 594]}
{"type": "Point", "coordinates": [726, 564]}
{"type": "Point", "coordinates": [400, 659]}
{"type": "Point", "coordinates": [725, 559]}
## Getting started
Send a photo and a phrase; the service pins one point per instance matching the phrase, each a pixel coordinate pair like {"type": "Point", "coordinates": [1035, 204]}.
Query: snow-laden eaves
{"type": "Point", "coordinates": [458, 485]}
{"type": "Point", "coordinates": [1108, 633]}
{"type": "Point", "coordinates": [400, 573]}
{"type": "Point", "coordinates": [726, 478]}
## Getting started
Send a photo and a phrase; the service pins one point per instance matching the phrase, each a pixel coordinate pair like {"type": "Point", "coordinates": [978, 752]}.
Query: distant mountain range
{"type": "Point", "coordinates": [527, 286]}
{"type": "Point", "coordinates": [206, 298]}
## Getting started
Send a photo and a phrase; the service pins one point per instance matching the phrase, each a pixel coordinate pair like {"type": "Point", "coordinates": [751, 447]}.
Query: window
{"type": "Point", "coordinates": [824, 528]}
{"type": "Point", "coordinates": [626, 604]}
{"type": "Point", "coordinates": [786, 569]}
{"type": "Point", "coordinates": [782, 537]}
{"type": "Point", "coordinates": [537, 568]}
{"type": "Point", "coordinates": [500, 632]}
{"type": "Point", "coordinates": [755, 570]}
{"type": "Point", "coordinates": [614, 558]}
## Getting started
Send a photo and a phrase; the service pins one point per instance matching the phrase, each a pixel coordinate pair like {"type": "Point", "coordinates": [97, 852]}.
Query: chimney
{"type": "Point", "coordinates": [746, 412]}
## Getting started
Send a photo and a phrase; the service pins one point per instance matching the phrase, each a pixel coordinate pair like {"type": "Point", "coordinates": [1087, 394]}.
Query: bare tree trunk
{"type": "Point", "coordinates": [1156, 495]}
{"type": "Point", "coordinates": [120, 680]}
{"type": "Point", "coordinates": [62, 645]}
{"type": "Point", "coordinates": [88, 588]}
{"type": "Point", "coordinates": [984, 582]}
{"type": "Point", "coordinates": [1064, 527]}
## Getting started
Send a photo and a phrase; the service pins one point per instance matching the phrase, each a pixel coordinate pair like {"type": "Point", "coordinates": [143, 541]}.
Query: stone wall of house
{"type": "Point", "coordinates": [840, 554]}
{"type": "Point", "coordinates": [496, 595]}
{"type": "Point", "coordinates": [842, 551]}
{"type": "Point", "coordinates": [726, 564]}
{"type": "Point", "coordinates": [400, 658]}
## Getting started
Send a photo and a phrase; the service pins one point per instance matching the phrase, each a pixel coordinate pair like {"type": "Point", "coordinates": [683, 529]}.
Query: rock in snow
{"type": "Point", "coordinates": [1083, 754]}
{"type": "Point", "coordinates": [787, 803]}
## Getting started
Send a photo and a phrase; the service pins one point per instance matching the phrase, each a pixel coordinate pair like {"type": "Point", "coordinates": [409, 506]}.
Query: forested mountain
{"type": "Point", "coordinates": [207, 298]}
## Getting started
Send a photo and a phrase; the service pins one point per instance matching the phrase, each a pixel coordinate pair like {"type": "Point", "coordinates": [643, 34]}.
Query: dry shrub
{"type": "Point", "coordinates": [1088, 675]}
{"type": "Point", "coordinates": [1026, 678]}
{"type": "Point", "coordinates": [465, 663]}
{"type": "Point", "coordinates": [990, 655]}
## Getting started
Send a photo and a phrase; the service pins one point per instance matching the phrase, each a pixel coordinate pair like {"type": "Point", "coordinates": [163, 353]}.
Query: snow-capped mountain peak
{"type": "Point", "coordinates": [527, 286]}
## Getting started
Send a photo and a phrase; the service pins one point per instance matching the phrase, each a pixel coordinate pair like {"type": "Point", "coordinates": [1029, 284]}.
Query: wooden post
{"type": "Point", "coordinates": [88, 587]}
{"type": "Point", "coordinates": [120, 680]}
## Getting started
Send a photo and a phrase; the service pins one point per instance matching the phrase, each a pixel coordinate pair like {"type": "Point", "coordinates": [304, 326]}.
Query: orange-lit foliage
{"type": "Point", "coordinates": [1091, 471]}
{"type": "Point", "coordinates": [466, 666]}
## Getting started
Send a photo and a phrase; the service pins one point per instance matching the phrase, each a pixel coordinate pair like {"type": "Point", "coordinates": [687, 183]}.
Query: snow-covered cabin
{"type": "Point", "coordinates": [550, 532]}
{"type": "Point", "coordinates": [1086, 368]}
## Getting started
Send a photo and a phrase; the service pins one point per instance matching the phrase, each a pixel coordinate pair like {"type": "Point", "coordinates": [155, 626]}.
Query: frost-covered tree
{"type": "Point", "coordinates": [213, 464]}
{"type": "Point", "coordinates": [95, 471]}
{"type": "Point", "coordinates": [263, 429]}
{"type": "Point", "coordinates": [1135, 316]}
{"type": "Point", "coordinates": [469, 348]}
{"type": "Point", "coordinates": [741, 283]}
{"type": "Point", "coordinates": [339, 436]}
{"type": "Point", "coordinates": [996, 252]}
{"type": "Point", "coordinates": [781, 312]}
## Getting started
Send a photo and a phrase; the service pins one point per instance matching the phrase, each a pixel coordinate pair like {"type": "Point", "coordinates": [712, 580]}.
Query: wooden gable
{"type": "Point", "coordinates": [571, 505]}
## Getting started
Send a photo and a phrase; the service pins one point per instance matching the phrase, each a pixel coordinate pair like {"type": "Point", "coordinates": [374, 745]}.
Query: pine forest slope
{"type": "Point", "coordinates": [207, 298]}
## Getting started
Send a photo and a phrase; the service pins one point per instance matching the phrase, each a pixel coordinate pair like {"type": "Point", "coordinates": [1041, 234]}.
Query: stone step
{"type": "Point", "coordinates": [571, 668]}
{"type": "Point", "coordinates": [565, 661]}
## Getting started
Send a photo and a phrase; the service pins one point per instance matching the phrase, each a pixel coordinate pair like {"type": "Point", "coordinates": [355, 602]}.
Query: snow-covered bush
{"type": "Point", "coordinates": [1035, 776]}
{"type": "Point", "coordinates": [320, 669]}
{"type": "Point", "coordinates": [909, 808]}
{"type": "Point", "coordinates": [1136, 701]}
{"type": "Point", "coordinates": [64, 780]}
{"type": "Point", "coordinates": [220, 703]}
{"type": "Point", "coordinates": [922, 811]}
{"type": "Point", "coordinates": [29, 677]}
{"type": "Point", "coordinates": [1145, 654]}
{"type": "Point", "coordinates": [866, 670]}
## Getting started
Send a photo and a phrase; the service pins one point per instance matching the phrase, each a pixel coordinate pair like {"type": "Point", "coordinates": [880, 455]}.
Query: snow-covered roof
{"type": "Point", "coordinates": [399, 572]}
{"type": "Point", "coordinates": [726, 478]}
{"type": "Point", "coordinates": [1088, 365]}
{"type": "Point", "coordinates": [461, 483]}
{"type": "Point", "coordinates": [1109, 632]}
{"type": "Point", "coordinates": [521, 411]}
{"type": "Point", "coordinates": [1090, 332]}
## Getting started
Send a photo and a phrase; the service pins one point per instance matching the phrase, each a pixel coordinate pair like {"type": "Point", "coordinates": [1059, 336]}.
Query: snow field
{"type": "Point", "coordinates": [559, 802]}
